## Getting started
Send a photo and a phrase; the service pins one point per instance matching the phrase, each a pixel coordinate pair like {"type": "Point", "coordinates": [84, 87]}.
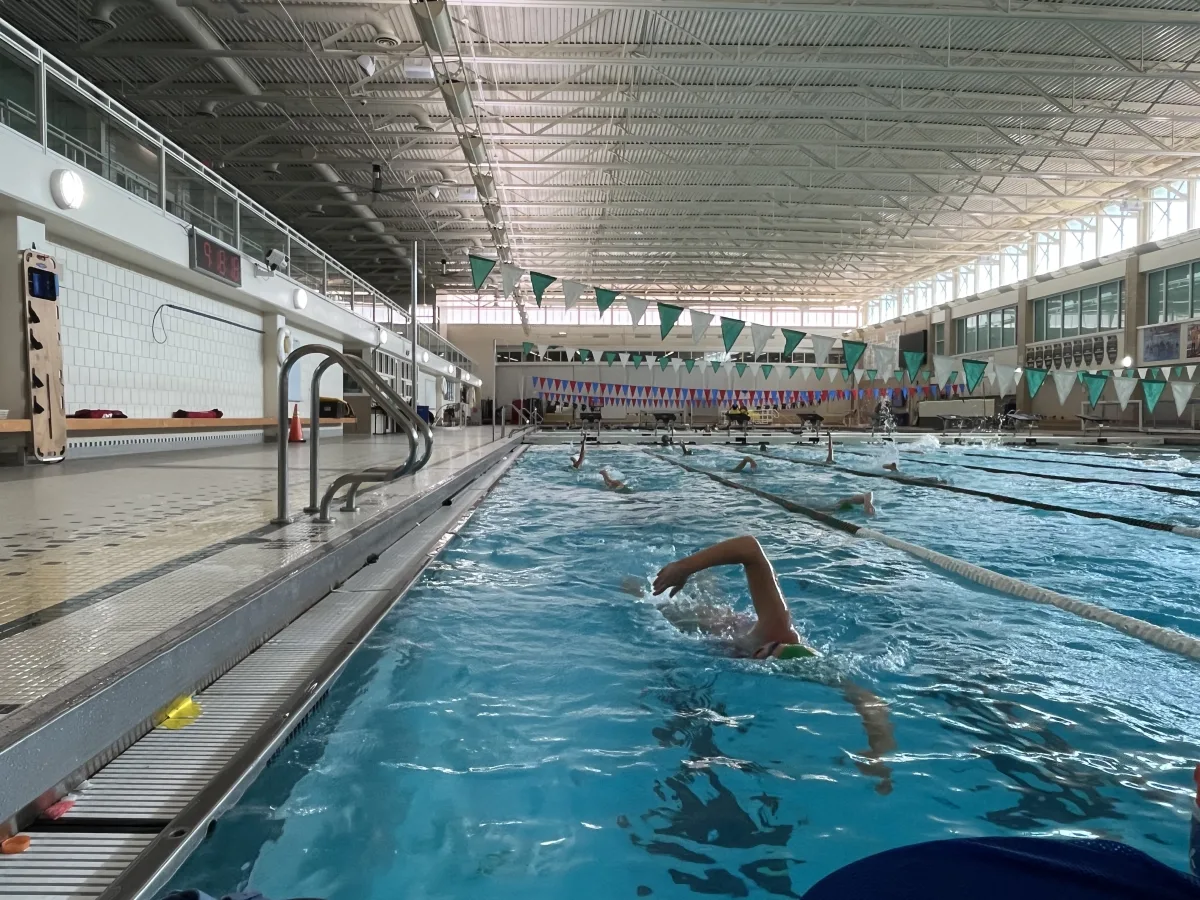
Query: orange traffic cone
{"type": "Point", "coordinates": [295, 435]}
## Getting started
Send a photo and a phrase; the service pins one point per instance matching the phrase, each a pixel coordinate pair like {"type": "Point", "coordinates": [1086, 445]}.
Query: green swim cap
{"type": "Point", "coordinates": [796, 651]}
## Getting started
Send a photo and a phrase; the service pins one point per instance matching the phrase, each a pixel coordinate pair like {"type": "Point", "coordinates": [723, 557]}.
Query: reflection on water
{"type": "Point", "coordinates": [697, 811]}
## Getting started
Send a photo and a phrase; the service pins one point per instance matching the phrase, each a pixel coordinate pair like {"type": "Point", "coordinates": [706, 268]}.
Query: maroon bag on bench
{"type": "Point", "coordinates": [197, 414]}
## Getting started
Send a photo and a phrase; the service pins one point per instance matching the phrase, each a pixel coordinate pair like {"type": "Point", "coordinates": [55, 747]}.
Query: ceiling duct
{"type": "Point", "coordinates": [433, 24]}
{"type": "Point", "coordinates": [474, 150]}
{"type": "Point", "coordinates": [457, 95]}
{"type": "Point", "coordinates": [101, 13]}
{"type": "Point", "coordinates": [486, 186]}
{"type": "Point", "coordinates": [385, 31]}
{"type": "Point", "coordinates": [208, 108]}
{"type": "Point", "coordinates": [492, 214]}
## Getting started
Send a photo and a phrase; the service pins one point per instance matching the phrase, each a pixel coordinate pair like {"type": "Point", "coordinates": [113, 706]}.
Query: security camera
{"type": "Point", "coordinates": [367, 64]}
{"type": "Point", "coordinates": [277, 259]}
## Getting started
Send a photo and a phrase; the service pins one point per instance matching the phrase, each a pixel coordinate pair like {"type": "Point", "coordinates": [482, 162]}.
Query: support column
{"type": "Point", "coordinates": [16, 234]}
{"type": "Point", "coordinates": [1024, 338]}
{"type": "Point", "coordinates": [272, 325]}
{"type": "Point", "coordinates": [951, 337]}
{"type": "Point", "coordinates": [1135, 311]}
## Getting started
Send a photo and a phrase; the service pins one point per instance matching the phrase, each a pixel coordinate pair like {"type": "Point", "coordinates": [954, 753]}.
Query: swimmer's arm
{"type": "Point", "coordinates": [746, 461]}
{"type": "Point", "coordinates": [576, 462]}
{"type": "Point", "coordinates": [881, 735]}
{"type": "Point", "coordinates": [769, 605]}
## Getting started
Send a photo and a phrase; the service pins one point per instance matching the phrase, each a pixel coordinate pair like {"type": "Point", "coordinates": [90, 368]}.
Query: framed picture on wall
{"type": "Point", "coordinates": [1160, 343]}
{"type": "Point", "coordinates": [1193, 340]}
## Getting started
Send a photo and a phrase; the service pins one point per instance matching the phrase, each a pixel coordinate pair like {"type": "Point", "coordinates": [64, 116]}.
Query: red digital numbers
{"type": "Point", "coordinates": [216, 260]}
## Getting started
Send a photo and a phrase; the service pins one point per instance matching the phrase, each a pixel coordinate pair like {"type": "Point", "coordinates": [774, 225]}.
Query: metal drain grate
{"type": "Point", "coordinates": [67, 865]}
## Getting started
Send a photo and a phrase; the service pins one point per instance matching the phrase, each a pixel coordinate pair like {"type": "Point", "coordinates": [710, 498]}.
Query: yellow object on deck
{"type": "Point", "coordinates": [182, 713]}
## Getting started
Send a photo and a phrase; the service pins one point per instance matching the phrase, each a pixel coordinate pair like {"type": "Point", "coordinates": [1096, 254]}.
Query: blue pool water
{"type": "Point", "coordinates": [520, 726]}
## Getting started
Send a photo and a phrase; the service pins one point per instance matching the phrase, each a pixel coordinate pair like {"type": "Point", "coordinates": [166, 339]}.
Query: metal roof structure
{"type": "Point", "coordinates": [784, 149]}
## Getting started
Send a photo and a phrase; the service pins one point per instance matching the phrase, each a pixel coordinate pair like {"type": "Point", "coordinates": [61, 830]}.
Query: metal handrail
{"type": "Point", "coordinates": [371, 384]}
{"type": "Point", "coordinates": [362, 372]}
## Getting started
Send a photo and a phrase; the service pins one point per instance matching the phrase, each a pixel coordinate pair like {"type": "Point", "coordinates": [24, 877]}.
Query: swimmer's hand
{"type": "Point", "coordinates": [673, 576]}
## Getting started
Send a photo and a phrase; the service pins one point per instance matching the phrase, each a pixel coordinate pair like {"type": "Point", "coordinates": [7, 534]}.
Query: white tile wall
{"type": "Point", "coordinates": [331, 381]}
{"type": "Point", "coordinates": [112, 360]}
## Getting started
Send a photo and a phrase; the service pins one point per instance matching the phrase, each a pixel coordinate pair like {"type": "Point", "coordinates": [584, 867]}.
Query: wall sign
{"type": "Point", "coordinates": [215, 259]}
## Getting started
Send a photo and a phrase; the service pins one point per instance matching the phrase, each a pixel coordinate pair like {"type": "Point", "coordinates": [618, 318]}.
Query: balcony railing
{"type": "Point", "coordinates": [48, 102]}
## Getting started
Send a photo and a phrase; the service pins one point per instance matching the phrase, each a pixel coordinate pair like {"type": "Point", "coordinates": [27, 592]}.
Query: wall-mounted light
{"type": "Point", "coordinates": [450, 368]}
{"type": "Point", "coordinates": [424, 357]}
{"type": "Point", "coordinates": [299, 298]}
{"type": "Point", "coordinates": [383, 335]}
{"type": "Point", "coordinates": [1126, 362]}
{"type": "Point", "coordinates": [66, 187]}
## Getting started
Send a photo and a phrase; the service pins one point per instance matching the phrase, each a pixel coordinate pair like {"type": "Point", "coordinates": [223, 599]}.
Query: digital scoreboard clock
{"type": "Point", "coordinates": [215, 259]}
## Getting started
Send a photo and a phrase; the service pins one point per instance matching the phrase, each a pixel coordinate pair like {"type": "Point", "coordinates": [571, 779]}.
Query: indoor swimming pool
{"type": "Point", "coordinates": [522, 724]}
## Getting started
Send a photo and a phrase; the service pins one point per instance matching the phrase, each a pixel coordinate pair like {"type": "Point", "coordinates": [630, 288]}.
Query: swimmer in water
{"type": "Point", "coordinates": [895, 468]}
{"type": "Point", "coordinates": [829, 448]}
{"type": "Point", "coordinates": [866, 500]}
{"type": "Point", "coordinates": [769, 634]}
{"type": "Point", "coordinates": [746, 461]}
{"type": "Point", "coordinates": [577, 461]}
{"type": "Point", "coordinates": [613, 484]}
{"type": "Point", "coordinates": [684, 448]}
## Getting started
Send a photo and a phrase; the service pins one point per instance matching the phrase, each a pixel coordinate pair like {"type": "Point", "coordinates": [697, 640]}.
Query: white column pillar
{"type": "Point", "coordinates": [16, 234]}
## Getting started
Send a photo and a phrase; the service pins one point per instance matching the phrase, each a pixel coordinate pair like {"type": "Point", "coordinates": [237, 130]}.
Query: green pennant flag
{"type": "Point", "coordinates": [853, 351]}
{"type": "Point", "coordinates": [540, 282]}
{"type": "Point", "coordinates": [663, 362]}
{"type": "Point", "coordinates": [605, 298]}
{"type": "Point", "coordinates": [1156, 374]}
{"type": "Point", "coordinates": [973, 370]}
{"type": "Point", "coordinates": [1177, 371]}
{"type": "Point", "coordinates": [638, 359]}
{"type": "Point", "coordinates": [872, 374]}
{"type": "Point", "coordinates": [1095, 387]}
{"type": "Point", "coordinates": [792, 370]}
{"type": "Point", "coordinates": [668, 315]}
{"type": "Point", "coordinates": [716, 364]}
{"type": "Point", "coordinates": [609, 356]}
{"type": "Point", "coordinates": [481, 268]}
{"type": "Point", "coordinates": [1034, 379]}
{"type": "Point", "coordinates": [767, 370]}
{"type": "Point", "coordinates": [585, 355]}
{"type": "Point", "coordinates": [898, 374]}
{"type": "Point", "coordinates": [845, 374]}
{"type": "Point", "coordinates": [526, 349]}
{"type": "Point", "coordinates": [741, 369]}
{"type": "Point", "coordinates": [1152, 390]}
{"type": "Point", "coordinates": [791, 340]}
{"type": "Point", "coordinates": [689, 364]}
{"type": "Point", "coordinates": [819, 371]}
{"type": "Point", "coordinates": [730, 329]}
{"type": "Point", "coordinates": [912, 363]}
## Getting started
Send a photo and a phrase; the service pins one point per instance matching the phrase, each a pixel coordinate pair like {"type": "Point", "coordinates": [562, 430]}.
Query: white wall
{"type": "Point", "coordinates": [331, 381]}
{"type": "Point", "coordinates": [116, 357]}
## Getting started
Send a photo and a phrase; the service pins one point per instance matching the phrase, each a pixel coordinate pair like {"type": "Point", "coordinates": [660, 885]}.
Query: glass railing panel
{"type": "Point", "coordinates": [18, 94]}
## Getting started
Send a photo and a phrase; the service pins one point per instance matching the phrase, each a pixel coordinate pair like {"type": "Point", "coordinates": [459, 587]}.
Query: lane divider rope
{"type": "Point", "coordinates": [1076, 479]}
{"type": "Point", "coordinates": [1090, 465]}
{"type": "Point", "coordinates": [1163, 638]}
{"type": "Point", "coordinates": [1185, 530]}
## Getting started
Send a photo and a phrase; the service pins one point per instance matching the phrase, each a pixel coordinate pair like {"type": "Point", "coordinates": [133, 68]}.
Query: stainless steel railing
{"type": "Point", "coordinates": [393, 404]}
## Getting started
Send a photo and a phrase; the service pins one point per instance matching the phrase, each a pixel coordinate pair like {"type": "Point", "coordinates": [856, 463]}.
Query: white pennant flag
{"type": "Point", "coordinates": [1191, 370]}
{"type": "Point", "coordinates": [572, 291]}
{"type": "Point", "coordinates": [1142, 373]}
{"type": "Point", "coordinates": [942, 367]}
{"type": "Point", "coordinates": [542, 348]}
{"type": "Point", "coordinates": [760, 334]}
{"type": "Point", "coordinates": [637, 308]}
{"type": "Point", "coordinates": [1064, 383]}
{"type": "Point", "coordinates": [676, 363]}
{"type": "Point", "coordinates": [1124, 387]}
{"type": "Point", "coordinates": [885, 357]}
{"type": "Point", "coordinates": [1017, 376]}
{"type": "Point", "coordinates": [1006, 377]}
{"type": "Point", "coordinates": [821, 347]}
{"type": "Point", "coordinates": [570, 351]}
{"type": "Point", "coordinates": [990, 372]}
{"type": "Point", "coordinates": [510, 277]}
{"type": "Point", "coordinates": [700, 323]}
{"type": "Point", "coordinates": [624, 357]}
{"type": "Point", "coordinates": [1183, 393]}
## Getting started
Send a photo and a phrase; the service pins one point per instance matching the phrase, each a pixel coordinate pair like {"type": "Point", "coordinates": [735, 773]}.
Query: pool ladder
{"type": "Point", "coordinates": [413, 427]}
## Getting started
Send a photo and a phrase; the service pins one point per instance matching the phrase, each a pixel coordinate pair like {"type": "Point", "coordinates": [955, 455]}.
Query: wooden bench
{"type": "Point", "coordinates": [94, 426]}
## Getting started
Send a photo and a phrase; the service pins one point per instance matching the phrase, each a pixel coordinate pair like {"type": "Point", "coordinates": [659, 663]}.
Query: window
{"type": "Point", "coordinates": [907, 298]}
{"type": "Point", "coordinates": [943, 287]}
{"type": "Point", "coordinates": [1070, 315]}
{"type": "Point", "coordinates": [889, 306]}
{"type": "Point", "coordinates": [1098, 308]}
{"type": "Point", "coordinates": [986, 331]}
{"type": "Point", "coordinates": [924, 294]}
{"type": "Point", "coordinates": [1014, 263]}
{"type": "Point", "coordinates": [873, 312]}
{"type": "Point", "coordinates": [1173, 294]}
{"type": "Point", "coordinates": [1079, 241]}
{"type": "Point", "coordinates": [1179, 293]}
{"type": "Point", "coordinates": [1118, 229]}
{"type": "Point", "coordinates": [1047, 252]}
{"type": "Point", "coordinates": [1168, 209]}
{"type": "Point", "coordinates": [964, 282]}
{"type": "Point", "coordinates": [939, 338]}
{"type": "Point", "coordinates": [987, 273]}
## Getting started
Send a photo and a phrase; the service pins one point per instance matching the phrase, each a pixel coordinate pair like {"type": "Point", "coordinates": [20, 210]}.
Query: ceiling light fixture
{"type": "Point", "coordinates": [66, 187]}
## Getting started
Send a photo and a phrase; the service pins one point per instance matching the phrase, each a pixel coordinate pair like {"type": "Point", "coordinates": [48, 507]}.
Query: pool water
{"type": "Point", "coordinates": [521, 726]}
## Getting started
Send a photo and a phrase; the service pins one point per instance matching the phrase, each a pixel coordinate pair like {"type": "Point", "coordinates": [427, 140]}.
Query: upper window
{"type": "Point", "coordinates": [1168, 209]}
{"type": "Point", "coordinates": [1097, 308]}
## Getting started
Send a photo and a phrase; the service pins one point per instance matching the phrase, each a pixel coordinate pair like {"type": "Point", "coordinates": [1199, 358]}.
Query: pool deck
{"type": "Point", "coordinates": [100, 557]}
